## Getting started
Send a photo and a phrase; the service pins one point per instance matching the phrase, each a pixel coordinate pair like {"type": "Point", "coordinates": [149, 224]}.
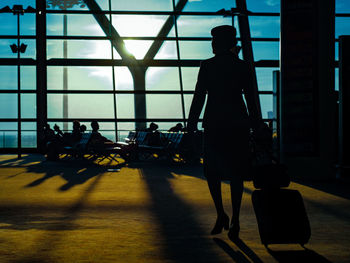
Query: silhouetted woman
{"type": "Point", "coordinates": [226, 122]}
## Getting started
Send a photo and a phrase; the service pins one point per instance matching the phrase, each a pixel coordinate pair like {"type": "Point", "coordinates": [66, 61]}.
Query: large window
{"type": "Point", "coordinates": [124, 63]}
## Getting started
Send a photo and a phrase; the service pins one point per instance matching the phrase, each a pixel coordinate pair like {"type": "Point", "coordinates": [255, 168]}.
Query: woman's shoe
{"type": "Point", "coordinates": [233, 233]}
{"type": "Point", "coordinates": [221, 222]}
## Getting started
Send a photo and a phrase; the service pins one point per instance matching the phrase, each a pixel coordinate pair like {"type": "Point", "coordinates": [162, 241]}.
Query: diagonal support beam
{"type": "Point", "coordinates": [138, 72]}
{"type": "Point", "coordinates": [110, 31]}
{"type": "Point", "coordinates": [165, 30]}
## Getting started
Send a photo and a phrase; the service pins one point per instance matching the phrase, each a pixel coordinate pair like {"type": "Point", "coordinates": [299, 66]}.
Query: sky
{"type": "Point", "coordinates": [157, 78]}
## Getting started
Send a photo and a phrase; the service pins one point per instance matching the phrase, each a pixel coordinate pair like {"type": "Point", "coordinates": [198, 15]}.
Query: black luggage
{"type": "Point", "coordinates": [281, 216]}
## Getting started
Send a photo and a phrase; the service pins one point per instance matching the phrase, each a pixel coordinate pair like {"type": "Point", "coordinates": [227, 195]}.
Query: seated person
{"type": "Point", "coordinates": [154, 137]}
{"type": "Point", "coordinates": [59, 133]}
{"type": "Point", "coordinates": [152, 127]}
{"type": "Point", "coordinates": [97, 140]}
{"type": "Point", "coordinates": [82, 128]}
{"type": "Point", "coordinates": [49, 134]}
{"type": "Point", "coordinates": [177, 128]}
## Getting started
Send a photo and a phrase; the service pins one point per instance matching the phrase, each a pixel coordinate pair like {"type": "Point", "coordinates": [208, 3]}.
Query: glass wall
{"type": "Point", "coordinates": [124, 63]}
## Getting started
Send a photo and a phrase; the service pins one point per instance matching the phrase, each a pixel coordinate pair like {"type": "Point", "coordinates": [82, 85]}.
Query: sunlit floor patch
{"type": "Point", "coordinates": [146, 212]}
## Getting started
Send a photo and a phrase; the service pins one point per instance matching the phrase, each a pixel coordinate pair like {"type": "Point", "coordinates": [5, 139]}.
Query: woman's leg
{"type": "Point", "coordinates": [236, 197]}
{"type": "Point", "coordinates": [214, 184]}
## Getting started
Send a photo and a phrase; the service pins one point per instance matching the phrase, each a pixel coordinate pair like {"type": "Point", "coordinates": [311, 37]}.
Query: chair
{"type": "Point", "coordinates": [78, 149]}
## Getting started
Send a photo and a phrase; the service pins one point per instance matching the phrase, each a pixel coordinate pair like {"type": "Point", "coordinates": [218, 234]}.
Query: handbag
{"type": "Point", "coordinates": [266, 171]}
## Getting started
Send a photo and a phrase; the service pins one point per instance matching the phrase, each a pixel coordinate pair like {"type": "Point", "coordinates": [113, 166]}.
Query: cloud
{"type": "Point", "coordinates": [272, 2]}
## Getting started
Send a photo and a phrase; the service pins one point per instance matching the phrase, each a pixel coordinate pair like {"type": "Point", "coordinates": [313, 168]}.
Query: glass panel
{"type": "Point", "coordinates": [336, 53]}
{"type": "Point", "coordinates": [139, 25]}
{"type": "Point", "coordinates": [159, 78]}
{"type": "Point", "coordinates": [54, 24]}
{"type": "Point", "coordinates": [28, 105]}
{"type": "Point", "coordinates": [265, 78]}
{"type": "Point", "coordinates": [200, 26]}
{"type": "Point", "coordinates": [208, 5]}
{"type": "Point", "coordinates": [8, 134]}
{"type": "Point", "coordinates": [77, 25]}
{"type": "Point", "coordinates": [5, 50]}
{"type": "Point", "coordinates": [123, 78]}
{"type": "Point", "coordinates": [83, 25]}
{"type": "Point", "coordinates": [81, 106]}
{"type": "Point", "coordinates": [188, 101]}
{"type": "Point", "coordinates": [195, 49]}
{"type": "Point", "coordinates": [124, 128]}
{"type": "Point", "coordinates": [80, 78]}
{"type": "Point", "coordinates": [138, 48]}
{"type": "Point", "coordinates": [342, 6]}
{"type": "Point", "coordinates": [167, 51]}
{"type": "Point", "coordinates": [8, 76]}
{"type": "Point", "coordinates": [137, 5]}
{"type": "Point", "coordinates": [264, 26]}
{"type": "Point", "coordinates": [31, 48]}
{"type": "Point", "coordinates": [265, 50]}
{"type": "Point", "coordinates": [28, 77]}
{"type": "Point", "coordinates": [342, 26]}
{"type": "Point", "coordinates": [8, 24]}
{"type": "Point", "coordinates": [163, 106]}
{"type": "Point", "coordinates": [8, 106]}
{"type": "Point", "coordinates": [125, 106]}
{"type": "Point", "coordinates": [95, 49]}
{"type": "Point", "coordinates": [189, 77]}
{"type": "Point", "coordinates": [266, 105]}
{"type": "Point", "coordinates": [263, 6]}
{"type": "Point", "coordinates": [28, 134]}
{"type": "Point", "coordinates": [27, 24]}
{"type": "Point", "coordinates": [336, 79]}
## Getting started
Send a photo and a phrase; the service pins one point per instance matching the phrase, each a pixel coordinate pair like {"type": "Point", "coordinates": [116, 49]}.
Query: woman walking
{"type": "Point", "coordinates": [222, 79]}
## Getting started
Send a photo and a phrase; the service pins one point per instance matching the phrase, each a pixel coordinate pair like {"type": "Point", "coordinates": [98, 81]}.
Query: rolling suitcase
{"type": "Point", "coordinates": [281, 216]}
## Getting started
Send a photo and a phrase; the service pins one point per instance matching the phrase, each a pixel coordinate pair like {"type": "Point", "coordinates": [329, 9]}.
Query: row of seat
{"type": "Point", "coordinates": [134, 147]}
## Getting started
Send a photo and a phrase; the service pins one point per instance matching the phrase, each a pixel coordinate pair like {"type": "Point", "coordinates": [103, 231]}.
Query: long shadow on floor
{"type": "Point", "coordinates": [75, 172]}
{"type": "Point", "coordinates": [41, 250]}
{"type": "Point", "coordinates": [182, 237]}
{"type": "Point", "coordinates": [306, 255]}
{"type": "Point", "coordinates": [237, 256]}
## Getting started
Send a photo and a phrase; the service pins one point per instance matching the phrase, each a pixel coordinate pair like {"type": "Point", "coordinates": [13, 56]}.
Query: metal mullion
{"type": "Point", "coordinates": [168, 13]}
{"type": "Point", "coordinates": [179, 67]}
{"type": "Point", "coordinates": [15, 91]}
{"type": "Point", "coordinates": [15, 37]}
{"type": "Point", "coordinates": [120, 120]}
{"type": "Point", "coordinates": [153, 63]}
{"type": "Point", "coordinates": [342, 15]}
{"type": "Point", "coordinates": [113, 74]}
{"type": "Point", "coordinates": [118, 92]}
{"type": "Point", "coordinates": [16, 120]}
{"type": "Point", "coordinates": [266, 39]}
{"type": "Point", "coordinates": [14, 62]}
{"type": "Point", "coordinates": [168, 92]}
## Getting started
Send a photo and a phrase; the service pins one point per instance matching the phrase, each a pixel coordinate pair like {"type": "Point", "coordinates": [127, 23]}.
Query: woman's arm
{"type": "Point", "coordinates": [198, 100]}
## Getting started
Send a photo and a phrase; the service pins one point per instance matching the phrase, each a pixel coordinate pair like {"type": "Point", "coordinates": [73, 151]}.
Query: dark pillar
{"type": "Point", "coordinates": [307, 87]}
{"type": "Point", "coordinates": [276, 114]}
{"type": "Point", "coordinates": [139, 75]}
{"type": "Point", "coordinates": [344, 107]}
{"type": "Point", "coordinates": [41, 76]}
{"type": "Point", "coordinates": [247, 49]}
